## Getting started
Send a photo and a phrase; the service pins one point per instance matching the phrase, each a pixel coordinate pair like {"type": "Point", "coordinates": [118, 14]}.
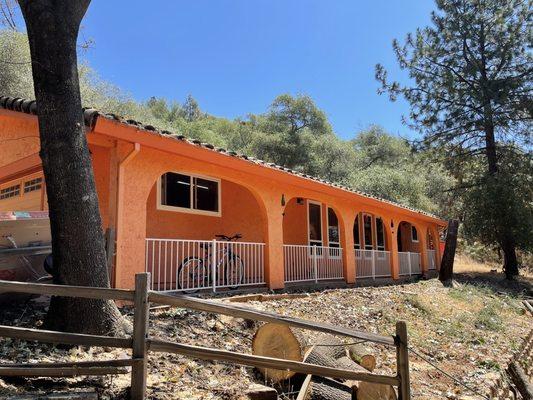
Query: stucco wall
{"type": "Point", "coordinates": [101, 163]}
{"type": "Point", "coordinates": [19, 136]}
{"type": "Point", "coordinates": [240, 214]}
{"type": "Point", "coordinates": [407, 243]}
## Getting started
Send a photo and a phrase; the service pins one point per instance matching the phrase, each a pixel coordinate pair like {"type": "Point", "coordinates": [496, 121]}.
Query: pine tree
{"type": "Point", "coordinates": [471, 73]}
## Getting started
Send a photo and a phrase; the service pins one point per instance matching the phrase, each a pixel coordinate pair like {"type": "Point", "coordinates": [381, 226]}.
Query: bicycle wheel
{"type": "Point", "coordinates": [234, 271]}
{"type": "Point", "coordinates": [191, 275]}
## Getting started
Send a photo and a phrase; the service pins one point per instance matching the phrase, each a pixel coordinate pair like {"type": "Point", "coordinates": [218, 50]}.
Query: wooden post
{"type": "Point", "coordinates": [402, 361]}
{"type": "Point", "coordinates": [140, 333]}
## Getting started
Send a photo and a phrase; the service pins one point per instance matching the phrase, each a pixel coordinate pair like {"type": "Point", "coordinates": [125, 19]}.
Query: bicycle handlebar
{"type": "Point", "coordinates": [229, 238]}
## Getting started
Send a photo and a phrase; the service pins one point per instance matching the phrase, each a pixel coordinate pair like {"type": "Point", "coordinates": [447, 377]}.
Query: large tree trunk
{"type": "Point", "coordinates": [446, 266]}
{"type": "Point", "coordinates": [507, 242]}
{"type": "Point", "coordinates": [77, 237]}
{"type": "Point", "coordinates": [510, 261]}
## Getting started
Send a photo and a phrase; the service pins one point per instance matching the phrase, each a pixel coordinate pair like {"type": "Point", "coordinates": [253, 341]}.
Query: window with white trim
{"type": "Point", "coordinates": [367, 231]}
{"type": "Point", "coordinates": [356, 238]}
{"type": "Point", "coordinates": [10, 191]}
{"type": "Point", "coordinates": [333, 234]}
{"type": "Point", "coordinates": [333, 229]}
{"type": "Point", "coordinates": [315, 223]}
{"type": "Point", "coordinates": [33, 185]}
{"type": "Point", "coordinates": [414, 234]}
{"type": "Point", "coordinates": [380, 234]}
{"type": "Point", "coordinates": [189, 193]}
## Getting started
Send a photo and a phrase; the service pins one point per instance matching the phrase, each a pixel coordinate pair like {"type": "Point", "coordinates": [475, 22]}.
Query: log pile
{"type": "Point", "coordinates": [274, 340]}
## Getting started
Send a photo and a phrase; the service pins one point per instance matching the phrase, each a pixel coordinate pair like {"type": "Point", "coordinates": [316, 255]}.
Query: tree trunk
{"type": "Point", "coordinates": [77, 237]}
{"type": "Point", "coordinates": [446, 267]}
{"type": "Point", "coordinates": [507, 242]}
{"type": "Point", "coordinates": [510, 261]}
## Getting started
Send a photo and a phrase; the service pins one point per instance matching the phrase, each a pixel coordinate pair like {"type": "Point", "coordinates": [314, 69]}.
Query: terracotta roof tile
{"type": "Point", "coordinates": [90, 115]}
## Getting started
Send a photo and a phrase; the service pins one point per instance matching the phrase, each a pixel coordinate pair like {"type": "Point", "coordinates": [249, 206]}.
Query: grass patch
{"type": "Point", "coordinates": [489, 319]}
{"type": "Point", "coordinates": [416, 303]}
{"type": "Point", "coordinates": [489, 365]}
{"type": "Point", "coordinates": [459, 294]}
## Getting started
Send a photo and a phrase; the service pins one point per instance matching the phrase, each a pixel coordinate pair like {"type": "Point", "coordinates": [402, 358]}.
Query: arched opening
{"type": "Point", "coordinates": [409, 249]}
{"type": "Point", "coordinates": [203, 232]}
{"type": "Point", "coordinates": [371, 246]}
{"type": "Point", "coordinates": [311, 241]}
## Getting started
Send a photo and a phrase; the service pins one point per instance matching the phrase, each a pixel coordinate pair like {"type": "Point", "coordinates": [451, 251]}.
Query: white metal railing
{"type": "Point", "coordinates": [432, 262]}
{"type": "Point", "coordinates": [187, 265]}
{"type": "Point", "coordinates": [312, 263]}
{"type": "Point", "coordinates": [409, 263]}
{"type": "Point", "coordinates": [372, 264]}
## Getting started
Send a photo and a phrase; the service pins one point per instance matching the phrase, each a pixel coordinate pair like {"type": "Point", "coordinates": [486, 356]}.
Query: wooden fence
{"type": "Point", "coordinates": [141, 343]}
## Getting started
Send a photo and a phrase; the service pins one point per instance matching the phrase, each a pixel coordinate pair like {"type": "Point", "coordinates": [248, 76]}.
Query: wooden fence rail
{"type": "Point", "coordinates": [141, 344]}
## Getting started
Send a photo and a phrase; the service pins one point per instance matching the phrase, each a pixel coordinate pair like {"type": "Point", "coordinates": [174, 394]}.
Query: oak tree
{"type": "Point", "coordinates": [77, 238]}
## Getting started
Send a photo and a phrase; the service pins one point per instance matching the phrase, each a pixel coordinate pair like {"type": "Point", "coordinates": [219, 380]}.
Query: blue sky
{"type": "Point", "coordinates": [235, 56]}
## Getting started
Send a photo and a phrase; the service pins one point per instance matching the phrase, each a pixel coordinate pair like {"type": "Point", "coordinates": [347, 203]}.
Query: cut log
{"type": "Point", "coordinates": [364, 390]}
{"type": "Point", "coordinates": [277, 341]}
{"type": "Point", "coordinates": [331, 346]}
{"type": "Point", "coordinates": [328, 389]}
{"type": "Point", "coordinates": [375, 391]}
{"type": "Point", "coordinates": [362, 356]}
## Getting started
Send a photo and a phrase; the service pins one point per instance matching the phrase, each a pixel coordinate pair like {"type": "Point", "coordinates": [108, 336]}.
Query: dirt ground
{"type": "Point", "coordinates": [469, 331]}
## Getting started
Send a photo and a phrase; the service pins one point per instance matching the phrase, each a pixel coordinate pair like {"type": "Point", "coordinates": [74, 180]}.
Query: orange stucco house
{"type": "Point", "coordinates": [167, 197]}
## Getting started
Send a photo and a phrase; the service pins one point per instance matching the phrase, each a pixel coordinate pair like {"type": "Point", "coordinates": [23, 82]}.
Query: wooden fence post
{"type": "Point", "coordinates": [402, 361]}
{"type": "Point", "coordinates": [140, 329]}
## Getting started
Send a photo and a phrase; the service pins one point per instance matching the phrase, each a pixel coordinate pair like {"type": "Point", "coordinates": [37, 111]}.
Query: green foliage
{"type": "Point", "coordinates": [470, 90]}
{"type": "Point", "coordinates": [15, 71]}
{"type": "Point", "coordinates": [488, 319]}
{"type": "Point", "coordinates": [293, 132]}
{"type": "Point", "coordinates": [502, 202]}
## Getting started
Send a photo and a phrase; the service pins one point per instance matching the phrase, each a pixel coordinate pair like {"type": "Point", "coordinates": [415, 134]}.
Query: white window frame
{"type": "Point", "coordinates": [371, 231]}
{"type": "Point", "coordinates": [412, 238]}
{"type": "Point", "coordinates": [334, 254]}
{"type": "Point", "coordinates": [357, 246]}
{"type": "Point", "coordinates": [378, 247]}
{"type": "Point", "coordinates": [381, 252]}
{"type": "Point", "coordinates": [191, 210]}
{"type": "Point", "coordinates": [315, 243]}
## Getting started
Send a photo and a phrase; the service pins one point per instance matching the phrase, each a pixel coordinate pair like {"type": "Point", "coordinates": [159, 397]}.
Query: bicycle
{"type": "Point", "coordinates": [194, 272]}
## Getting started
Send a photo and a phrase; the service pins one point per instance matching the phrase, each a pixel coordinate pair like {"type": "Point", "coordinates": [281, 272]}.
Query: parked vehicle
{"type": "Point", "coordinates": [25, 242]}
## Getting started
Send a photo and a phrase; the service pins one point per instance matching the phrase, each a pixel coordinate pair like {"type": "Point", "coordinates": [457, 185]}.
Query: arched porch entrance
{"type": "Point", "coordinates": [203, 232]}
{"type": "Point", "coordinates": [409, 250]}
{"type": "Point", "coordinates": [311, 241]}
{"type": "Point", "coordinates": [371, 246]}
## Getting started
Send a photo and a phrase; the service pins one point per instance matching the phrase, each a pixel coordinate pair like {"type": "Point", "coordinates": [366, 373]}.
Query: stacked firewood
{"type": "Point", "coordinates": [279, 341]}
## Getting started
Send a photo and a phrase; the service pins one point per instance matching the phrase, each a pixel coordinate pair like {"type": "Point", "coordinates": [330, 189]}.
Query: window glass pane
{"type": "Point", "coordinates": [315, 226]}
{"type": "Point", "coordinates": [380, 233]}
{"type": "Point", "coordinates": [357, 243]}
{"type": "Point", "coordinates": [414, 234]}
{"type": "Point", "coordinates": [176, 190]}
{"type": "Point", "coordinates": [367, 221]}
{"type": "Point", "coordinates": [333, 227]}
{"type": "Point", "coordinates": [206, 194]}
{"type": "Point", "coordinates": [34, 184]}
{"type": "Point", "coordinates": [10, 191]}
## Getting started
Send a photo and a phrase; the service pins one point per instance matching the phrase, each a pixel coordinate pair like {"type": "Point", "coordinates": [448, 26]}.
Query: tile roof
{"type": "Point", "coordinates": [90, 116]}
